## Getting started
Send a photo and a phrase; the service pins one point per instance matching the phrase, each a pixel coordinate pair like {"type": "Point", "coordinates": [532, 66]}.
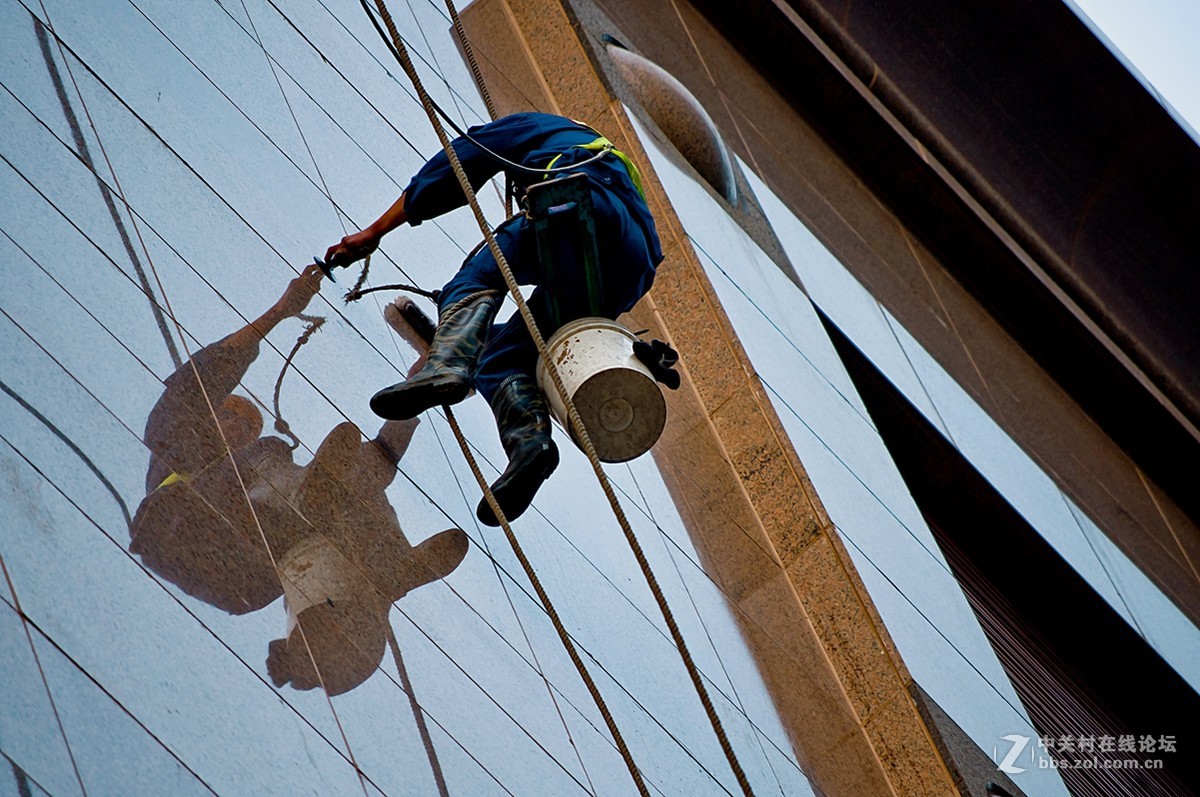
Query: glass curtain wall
{"type": "Point", "coordinates": [222, 573]}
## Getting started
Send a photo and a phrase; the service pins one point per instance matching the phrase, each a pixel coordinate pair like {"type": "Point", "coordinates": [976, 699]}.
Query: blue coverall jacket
{"type": "Point", "coordinates": [626, 237]}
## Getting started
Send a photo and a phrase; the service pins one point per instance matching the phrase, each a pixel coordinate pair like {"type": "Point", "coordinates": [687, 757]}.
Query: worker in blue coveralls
{"type": "Point", "coordinates": [498, 360]}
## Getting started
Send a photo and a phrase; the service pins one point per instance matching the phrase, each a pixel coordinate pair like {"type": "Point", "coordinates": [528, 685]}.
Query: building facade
{"type": "Point", "coordinates": [922, 506]}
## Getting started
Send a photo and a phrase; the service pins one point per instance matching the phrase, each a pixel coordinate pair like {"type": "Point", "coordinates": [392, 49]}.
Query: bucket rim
{"type": "Point", "coordinates": [584, 324]}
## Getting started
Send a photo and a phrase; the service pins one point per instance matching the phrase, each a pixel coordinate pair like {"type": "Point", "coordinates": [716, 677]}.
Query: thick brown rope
{"type": "Point", "coordinates": [576, 422]}
{"type": "Point", "coordinates": [480, 84]}
{"type": "Point", "coordinates": [548, 605]}
{"type": "Point", "coordinates": [518, 550]}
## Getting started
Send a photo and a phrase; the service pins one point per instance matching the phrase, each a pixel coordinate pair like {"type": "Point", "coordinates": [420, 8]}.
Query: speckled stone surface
{"type": "Point", "coordinates": [749, 507]}
{"type": "Point", "coordinates": [505, 62]}
{"type": "Point", "coordinates": [973, 769]}
{"type": "Point", "coordinates": [836, 610]}
{"type": "Point", "coordinates": [907, 751]}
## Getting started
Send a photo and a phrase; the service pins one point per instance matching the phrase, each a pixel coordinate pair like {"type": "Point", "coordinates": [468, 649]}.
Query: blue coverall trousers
{"type": "Point", "coordinates": [626, 263]}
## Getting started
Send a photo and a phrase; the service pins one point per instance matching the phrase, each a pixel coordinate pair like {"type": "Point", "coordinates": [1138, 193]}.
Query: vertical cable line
{"type": "Point", "coordinates": [536, 663]}
{"type": "Point", "coordinates": [436, 66]}
{"type": "Point", "coordinates": [476, 73]}
{"type": "Point", "coordinates": [469, 51]}
{"type": "Point", "coordinates": [478, 78]}
{"type": "Point", "coordinates": [481, 86]}
{"type": "Point", "coordinates": [28, 623]}
{"type": "Point", "coordinates": [576, 421]}
{"type": "Point", "coordinates": [86, 156]}
{"type": "Point", "coordinates": [224, 441]}
{"type": "Point", "coordinates": [439, 778]}
{"type": "Point", "coordinates": [292, 112]}
{"type": "Point", "coordinates": [25, 623]}
{"type": "Point", "coordinates": [552, 613]}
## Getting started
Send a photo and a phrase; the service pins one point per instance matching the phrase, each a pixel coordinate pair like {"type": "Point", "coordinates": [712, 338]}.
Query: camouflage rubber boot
{"type": "Point", "coordinates": [450, 367]}
{"type": "Point", "coordinates": [524, 421]}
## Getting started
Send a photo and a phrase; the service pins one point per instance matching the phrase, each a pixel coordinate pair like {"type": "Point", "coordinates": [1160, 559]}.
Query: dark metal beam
{"type": "Point", "coordinates": [1064, 197]}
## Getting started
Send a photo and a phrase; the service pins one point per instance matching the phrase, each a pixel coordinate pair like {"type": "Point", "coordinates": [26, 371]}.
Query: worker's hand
{"type": "Point", "coordinates": [299, 292]}
{"type": "Point", "coordinates": [353, 247]}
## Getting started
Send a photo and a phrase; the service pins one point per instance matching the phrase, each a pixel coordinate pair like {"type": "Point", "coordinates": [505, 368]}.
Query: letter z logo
{"type": "Point", "coordinates": [1018, 746]}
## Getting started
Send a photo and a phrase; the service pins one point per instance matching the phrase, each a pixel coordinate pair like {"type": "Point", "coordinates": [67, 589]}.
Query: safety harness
{"type": "Point", "coordinates": [602, 144]}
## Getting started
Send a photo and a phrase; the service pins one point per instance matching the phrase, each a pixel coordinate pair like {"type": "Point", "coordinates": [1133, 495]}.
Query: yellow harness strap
{"type": "Point", "coordinates": [603, 144]}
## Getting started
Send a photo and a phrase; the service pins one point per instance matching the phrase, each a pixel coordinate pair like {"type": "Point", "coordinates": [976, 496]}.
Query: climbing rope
{"type": "Point", "coordinates": [356, 294]}
{"type": "Point", "coordinates": [480, 84]}
{"type": "Point", "coordinates": [362, 277]}
{"type": "Point", "coordinates": [401, 52]}
{"type": "Point", "coordinates": [548, 605]}
{"type": "Point", "coordinates": [314, 323]}
{"type": "Point", "coordinates": [358, 291]}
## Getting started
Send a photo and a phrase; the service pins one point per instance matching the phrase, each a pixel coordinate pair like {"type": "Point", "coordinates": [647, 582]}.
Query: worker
{"type": "Point", "coordinates": [498, 360]}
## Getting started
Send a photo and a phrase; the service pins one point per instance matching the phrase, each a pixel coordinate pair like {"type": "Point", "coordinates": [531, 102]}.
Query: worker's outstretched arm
{"type": "Point", "coordinates": [435, 189]}
{"type": "Point", "coordinates": [358, 245]}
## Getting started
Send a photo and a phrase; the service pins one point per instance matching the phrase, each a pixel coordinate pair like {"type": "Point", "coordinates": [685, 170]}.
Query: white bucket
{"type": "Point", "coordinates": [618, 399]}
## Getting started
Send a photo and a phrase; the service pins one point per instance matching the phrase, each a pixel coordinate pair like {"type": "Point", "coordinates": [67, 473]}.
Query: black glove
{"type": "Point", "coordinates": [660, 358]}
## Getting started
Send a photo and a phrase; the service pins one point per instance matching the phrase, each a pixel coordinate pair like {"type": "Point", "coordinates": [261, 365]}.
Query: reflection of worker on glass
{"type": "Point", "coordinates": [499, 360]}
{"type": "Point", "coordinates": [333, 545]}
